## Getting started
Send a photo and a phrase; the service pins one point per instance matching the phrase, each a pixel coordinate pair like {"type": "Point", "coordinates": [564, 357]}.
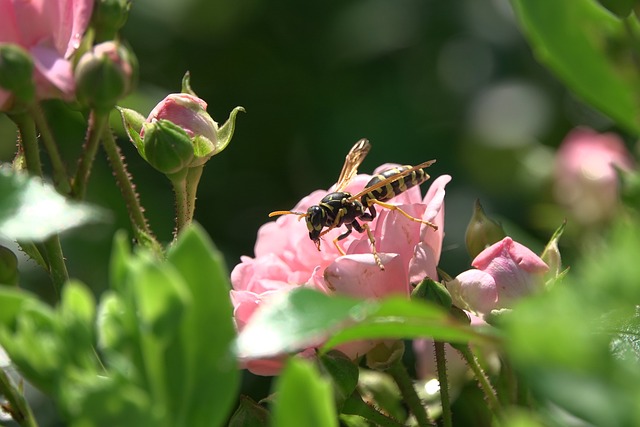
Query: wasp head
{"type": "Point", "coordinates": [316, 217]}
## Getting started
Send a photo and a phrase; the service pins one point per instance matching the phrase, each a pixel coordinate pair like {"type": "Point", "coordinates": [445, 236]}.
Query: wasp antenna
{"type": "Point", "coordinates": [277, 213]}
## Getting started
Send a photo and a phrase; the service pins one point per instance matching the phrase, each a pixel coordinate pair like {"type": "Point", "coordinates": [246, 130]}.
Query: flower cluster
{"type": "Point", "coordinates": [285, 257]}
{"type": "Point", "coordinates": [50, 31]}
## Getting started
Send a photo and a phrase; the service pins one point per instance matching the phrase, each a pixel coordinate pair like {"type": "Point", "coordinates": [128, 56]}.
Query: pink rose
{"type": "Point", "coordinates": [505, 272]}
{"type": "Point", "coordinates": [51, 31]}
{"type": "Point", "coordinates": [285, 258]}
{"type": "Point", "coordinates": [585, 178]}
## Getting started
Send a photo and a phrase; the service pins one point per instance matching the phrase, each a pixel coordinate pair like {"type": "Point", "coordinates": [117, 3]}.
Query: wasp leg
{"type": "Point", "coordinates": [345, 234]}
{"type": "Point", "coordinates": [360, 228]}
{"type": "Point", "coordinates": [369, 216]}
{"type": "Point", "coordinates": [396, 208]}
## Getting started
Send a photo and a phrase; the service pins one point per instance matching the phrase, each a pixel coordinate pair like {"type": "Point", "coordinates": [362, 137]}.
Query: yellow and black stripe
{"type": "Point", "coordinates": [394, 186]}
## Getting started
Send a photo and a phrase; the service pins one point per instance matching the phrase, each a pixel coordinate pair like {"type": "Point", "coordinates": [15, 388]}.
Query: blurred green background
{"type": "Point", "coordinates": [421, 79]}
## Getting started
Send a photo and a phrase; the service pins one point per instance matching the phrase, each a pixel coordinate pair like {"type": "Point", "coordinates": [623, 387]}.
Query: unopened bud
{"type": "Point", "coordinates": [16, 72]}
{"type": "Point", "coordinates": [108, 17]}
{"type": "Point", "coordinates": [385, 354]}
{"type": "Point", "coordinates": [482, 231]}
{"type": "Point", "coordinates": [8, 267]}
{"type": "Point", "coordinates": [105, 75]}
{"type": "Point", "coordinates": [432, 291]}
{"type": "Point", "coordinates": [551, 255]}
{"type": "Point", "coordinates": [249, 414]}
{"type": "Point", "coordinates": [343, 372]}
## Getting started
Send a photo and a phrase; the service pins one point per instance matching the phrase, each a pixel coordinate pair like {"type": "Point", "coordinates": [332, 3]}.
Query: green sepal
{"type": "Point", "coordinates": [551, 254]}
{"type": "Point", "coordinates": [225, 132]}
{"type": "Point", "coordinates": [430, 290]}
{"type": "Point", "coordinates": [203, 149]}
{"type": "Point", "coordinates": [132, 122]}
{"type": "Point", "coordinates": [186, 84]}
{"type": "Point", "coordinates": [167, 146]}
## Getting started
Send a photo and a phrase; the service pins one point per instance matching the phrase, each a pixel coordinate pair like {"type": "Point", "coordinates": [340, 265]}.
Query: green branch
{"type": "Point", "coordinates": [399, 374]}
{"type": "Point", "coordinates": [441, 364]}
{"type": "Point", "coordinates": [60, 178]}
{"type": "Point", "coordinates": [127, 188]}
{"type": "Point", "coordinates": [97, 122]}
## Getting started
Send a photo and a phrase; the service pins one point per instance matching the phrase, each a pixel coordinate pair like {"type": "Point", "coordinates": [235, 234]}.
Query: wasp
{"type": "Point", "coordinates": [342, 208]}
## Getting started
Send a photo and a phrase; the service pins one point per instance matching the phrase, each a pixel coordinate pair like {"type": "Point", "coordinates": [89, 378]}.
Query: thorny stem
{"type": "Point", "coordinates": [19, 408]}
{"type": "Point", "coordinates": [97, 122]}
{"type": "Point", "coordinates": [411, 398]}
{"type": "Point", "coordinates": [441, 364]}
{"type": "Point", "coordinates": [127, 188]}
{"type": "Point", "coordinates": [29, 140]}
{"type": "Point", "coordinates": [60, 178]}
{"type": "Point", "coordinates": [481, 377]}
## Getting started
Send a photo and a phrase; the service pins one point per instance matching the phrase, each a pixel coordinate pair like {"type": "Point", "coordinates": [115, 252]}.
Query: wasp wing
{"type": "Point", "coordinates": [351, 163]}
{"type": "Point", "coordinates": [392, 178]}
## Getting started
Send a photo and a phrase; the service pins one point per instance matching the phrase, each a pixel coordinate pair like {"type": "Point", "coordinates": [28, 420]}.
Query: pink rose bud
{"type": "Point", "coordinates": [105, 75]}
{"type": "Point", "coordinates": [586, 181]}
{"type": "Point", "coordinates": [189, 137]}
{"type": "Point", "coordinates": [505, 272]}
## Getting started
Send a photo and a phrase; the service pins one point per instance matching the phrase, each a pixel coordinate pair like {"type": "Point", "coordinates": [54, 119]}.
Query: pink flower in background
{"type": "Point", "coordinates": [286, 258]}
{"type": "Point", "coordinates": [585, 178]}
{"type": "Point", "coordinates": [505, 272]}
{"type": "Point", "coordinates": [51, 31]}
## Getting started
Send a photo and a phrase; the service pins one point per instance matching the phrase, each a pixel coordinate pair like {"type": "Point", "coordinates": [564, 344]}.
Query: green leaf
{"type": "Point", "coordinates": [577, 344]}
{"type": "Point", "coordinates": [204, 377]}
{"type": "Point", "coordinates": [35, 346]}
{"type": "Point", "coordinates": [33, 210]}
{"type": "Point", "coordinates": [303, 397]}
{"type": "Point", "coordinates": [304, 318]}
{"type": "Point", "coordinates": [11, 303]}
{"type": "Point", "coordinates": [589, 49]}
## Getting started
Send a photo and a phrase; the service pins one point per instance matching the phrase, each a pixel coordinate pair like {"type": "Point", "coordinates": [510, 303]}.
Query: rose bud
{"type": "Point", "coordinates": [482, 231]}
{"type": "Point", "coordinates": [108, 17]}
{"type": "Point", "coordinates": [505, 272]}
{"type": "Point", "coordinates": [16, 73]}
{"type": "Point", "coordinates": [105, 75]}
{"type": "Point", "coordinates": [199, 134]}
